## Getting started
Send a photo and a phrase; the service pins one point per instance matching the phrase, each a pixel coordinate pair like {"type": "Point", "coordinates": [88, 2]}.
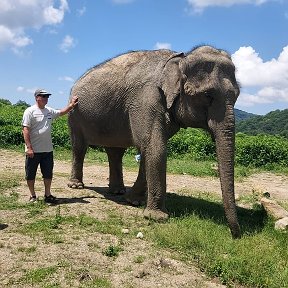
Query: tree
{"type": "Point", "coordinates": [5, 101]}
{"type": "Point", "coordinates": [22, 104]}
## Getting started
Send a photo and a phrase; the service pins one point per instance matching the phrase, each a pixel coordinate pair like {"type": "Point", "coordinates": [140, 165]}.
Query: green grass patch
{"type": "Point", "coordinates": [51, 227]}
{"type": "Point", "coordinates": [9, 180]}
{"type": "Point", "coordinates": [10, 202]}
{"type": "Point", "coordinates": [198, 231]}
{"type": "Point", "coordinates": [38, 275]}
{"type": "Point", "coordinates": [98, 282]}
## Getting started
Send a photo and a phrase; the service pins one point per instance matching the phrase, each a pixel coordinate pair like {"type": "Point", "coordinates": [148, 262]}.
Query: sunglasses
{"type": "Point", "coordinates": [44, 96]}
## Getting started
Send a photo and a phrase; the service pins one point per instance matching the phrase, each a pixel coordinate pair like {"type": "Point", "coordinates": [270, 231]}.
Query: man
{"type": "Point", "coordinates": [36, 124]}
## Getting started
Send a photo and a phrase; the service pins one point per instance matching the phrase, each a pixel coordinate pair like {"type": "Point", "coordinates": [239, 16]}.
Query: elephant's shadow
{"type": "Point", "coordinates": [250, 220]}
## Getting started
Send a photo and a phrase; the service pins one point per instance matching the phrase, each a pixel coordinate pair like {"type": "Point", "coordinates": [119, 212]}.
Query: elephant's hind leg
{"type": "Point", "coordinates": [79, 148]}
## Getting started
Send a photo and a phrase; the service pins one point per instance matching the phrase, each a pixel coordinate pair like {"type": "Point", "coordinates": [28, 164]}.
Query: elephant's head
{"type": "Point", "coordinates": [201, 90]}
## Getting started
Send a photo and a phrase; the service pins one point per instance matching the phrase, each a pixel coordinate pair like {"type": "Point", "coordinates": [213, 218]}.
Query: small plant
{"type": "Point", "coordinates": [28, 250]}
{"type": "Point", "coordinates": [112, 251]}
{"type": "Point", "coordinates": [139, 259]}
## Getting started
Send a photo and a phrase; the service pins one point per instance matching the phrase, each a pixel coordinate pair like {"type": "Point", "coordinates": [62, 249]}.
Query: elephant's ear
{"type": "Point", "coordinates": [171, 80]}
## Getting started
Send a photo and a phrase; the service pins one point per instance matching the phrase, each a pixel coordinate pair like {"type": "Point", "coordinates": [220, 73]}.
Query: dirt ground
{"type": "Point", "coordinates": [160, 268]}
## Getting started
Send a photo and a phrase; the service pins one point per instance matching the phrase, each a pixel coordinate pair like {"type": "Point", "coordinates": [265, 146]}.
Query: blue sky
{"type": "Point", "coordinates": [50, 44]}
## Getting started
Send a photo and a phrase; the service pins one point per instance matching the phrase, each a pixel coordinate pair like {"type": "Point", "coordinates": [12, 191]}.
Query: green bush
{"type": "Point", "coordinates": [261, 150]}
{"type": "Point", "coordinates": [60, 133]}
{"type": "Point", "coordinates": [11, 115]}
{"type": "Point", "coordinates": [254, 151]}
{"type": "Point", "coordinates": [195, 142]}
{"type": "Point", "coordinates": [10, 135]}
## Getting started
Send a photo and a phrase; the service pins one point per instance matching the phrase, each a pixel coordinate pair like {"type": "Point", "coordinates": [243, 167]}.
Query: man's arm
{"type": "Point", "coordinates": [26, 135]}
{"type": "Point", "coordinates": [72, 104]}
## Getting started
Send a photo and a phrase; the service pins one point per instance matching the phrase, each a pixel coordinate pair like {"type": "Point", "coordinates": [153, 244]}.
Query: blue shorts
{"type": "Point", "coordinates": [46, 162]}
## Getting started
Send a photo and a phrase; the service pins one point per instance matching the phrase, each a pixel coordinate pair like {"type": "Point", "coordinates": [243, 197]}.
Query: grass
{"type": "Point", "coordinates": [258, 259]}
{"type": "Point", "coordinates": [197, 232]}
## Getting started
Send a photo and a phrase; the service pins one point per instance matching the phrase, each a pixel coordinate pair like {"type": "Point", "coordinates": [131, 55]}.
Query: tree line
{"type": "Point", "coordinates": [273, 123]}
{"type": "Point", "coordinates": [252, 149]}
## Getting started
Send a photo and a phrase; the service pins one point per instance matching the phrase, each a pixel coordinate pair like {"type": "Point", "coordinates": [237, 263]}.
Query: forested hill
{"type": "Point", "coordinates": [274, 123]}
{"type": "Point", "coordinates": [242, 115]}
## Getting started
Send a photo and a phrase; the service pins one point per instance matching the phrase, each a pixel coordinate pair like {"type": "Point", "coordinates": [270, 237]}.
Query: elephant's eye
{"type": "Point", "coordinates": [209, 96]}
{"type": "Point", "coordinates": [209, 66]}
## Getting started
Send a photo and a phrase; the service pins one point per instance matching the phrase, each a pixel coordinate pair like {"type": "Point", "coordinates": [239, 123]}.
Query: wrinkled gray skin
{"type": "Point", "coordinates": [143, 98]}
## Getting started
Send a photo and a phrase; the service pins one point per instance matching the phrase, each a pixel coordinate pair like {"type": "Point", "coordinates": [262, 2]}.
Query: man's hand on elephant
{"type": "Point", "coordinates": [74, 101]}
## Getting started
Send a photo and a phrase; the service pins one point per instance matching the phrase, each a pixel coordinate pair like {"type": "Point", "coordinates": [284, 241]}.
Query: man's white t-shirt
{"type": "Point", "coordinates": [39, 122]}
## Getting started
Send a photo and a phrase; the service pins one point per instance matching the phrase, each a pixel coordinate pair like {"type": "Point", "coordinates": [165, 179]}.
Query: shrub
{"type": "Point", "coordinates": [261, 150]}
{"type": "Point", "coordinates": [255, 151]}
{"type": "Point", "coordinates": [10, 135]}
{"type": "Point", "coordinates": [196, 142]}
{"type": "Point", "coordinates": [11, 115]}
{"type": "Point", "coordinates": [60, 133]}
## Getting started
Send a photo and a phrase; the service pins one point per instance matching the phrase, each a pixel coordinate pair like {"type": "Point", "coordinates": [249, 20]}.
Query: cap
{"type": "Point", "coordinates": [40, 92]}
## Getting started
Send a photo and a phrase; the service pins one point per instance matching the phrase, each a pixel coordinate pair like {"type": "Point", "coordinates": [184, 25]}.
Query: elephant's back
{"type": "Point", "coordinates": [117, 77]}
{"type": "Point", "coordinates": [126, 65]}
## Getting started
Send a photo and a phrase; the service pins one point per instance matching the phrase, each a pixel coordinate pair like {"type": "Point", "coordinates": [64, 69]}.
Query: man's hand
{"type": "Point", "coordinates": [74, 101]}
{"type": "Point", "coordinates": [30, 152]}
{"type": "Point", "coordinates": [26, 135]}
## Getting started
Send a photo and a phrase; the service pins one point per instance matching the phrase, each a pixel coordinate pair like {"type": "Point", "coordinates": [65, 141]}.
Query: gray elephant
{"type": "Point", "coordinates": [141, 99]}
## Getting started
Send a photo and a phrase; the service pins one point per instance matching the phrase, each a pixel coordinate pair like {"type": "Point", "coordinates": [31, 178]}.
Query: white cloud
{"type": "Point", "coordinates": [67, 43]}
{"type": "Point", "coordinates": [18, 15]}
{"type": "Point", "coordinates": [14, 38]}
{"type": "Point", "coordinates": [66, 78]}
{"type": "Point", "coordinates": [268, 80]}
{"type": "Point", "coordinates": [160, 45]}
{"type": "Point", "coordinates": [20, 89]}
{"type": "Point", "coordinates": [199, 5]}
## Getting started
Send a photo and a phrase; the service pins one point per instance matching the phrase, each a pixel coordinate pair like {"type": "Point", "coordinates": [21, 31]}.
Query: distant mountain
{"type": "Point", "coordinates": [274, 123]}
{"type": "Point", "coordinates": [242, 115]}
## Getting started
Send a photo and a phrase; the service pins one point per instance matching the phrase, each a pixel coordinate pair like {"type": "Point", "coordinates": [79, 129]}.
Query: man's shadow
{"type": "Point", "coordinates": [3, 226]}
{"type": "Point", "coordinates": [74, 200]}
{"type": "Point", "coordinates": [250, 220]}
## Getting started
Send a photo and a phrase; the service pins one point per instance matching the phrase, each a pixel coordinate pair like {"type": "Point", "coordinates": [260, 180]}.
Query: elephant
{"type": "Point", "coordinates": [141, 99]}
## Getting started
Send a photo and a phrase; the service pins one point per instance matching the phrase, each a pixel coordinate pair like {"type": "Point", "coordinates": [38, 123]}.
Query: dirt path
{"type": "Point", "coordinates": [158, 269]}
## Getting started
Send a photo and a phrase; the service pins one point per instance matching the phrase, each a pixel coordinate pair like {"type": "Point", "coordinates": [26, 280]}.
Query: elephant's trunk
{"type": "Point", "coordinates": [224, 133]}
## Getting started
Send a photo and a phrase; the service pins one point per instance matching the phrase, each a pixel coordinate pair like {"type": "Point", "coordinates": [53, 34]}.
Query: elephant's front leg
{"type": "Point", "coordinates": [116, 184]}
{"type": "Point", "coordinates": [137, 194]}
{"type": "Point", "coordinates": [155, 168]}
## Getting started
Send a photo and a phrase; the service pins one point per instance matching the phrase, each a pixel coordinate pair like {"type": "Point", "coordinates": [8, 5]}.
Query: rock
{"type": "Point", "coordinates": [140, 235]}
{"type": "Point", "coordinates": [273, 208]}
{"type": "Point", "coordinates": [163, 263]}
{"type": "Point", "coordinates": [266, 195]}
{"type": "Point", "coordinates": [125, 231]}
{"type": "Point", "coordinates": [282, 224]}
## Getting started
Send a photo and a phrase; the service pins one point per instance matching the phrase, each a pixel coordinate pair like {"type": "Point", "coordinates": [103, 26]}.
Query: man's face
{"type": "Point", "coordinates": [42, 100]}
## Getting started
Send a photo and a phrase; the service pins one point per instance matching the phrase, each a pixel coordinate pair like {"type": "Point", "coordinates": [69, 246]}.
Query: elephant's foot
{"type": "Point", "coordinates": [156, 214]}
{"type": "Point", "coordinates": [135, 199]}
{"type": "Point", "coordinates": [75, 184]}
